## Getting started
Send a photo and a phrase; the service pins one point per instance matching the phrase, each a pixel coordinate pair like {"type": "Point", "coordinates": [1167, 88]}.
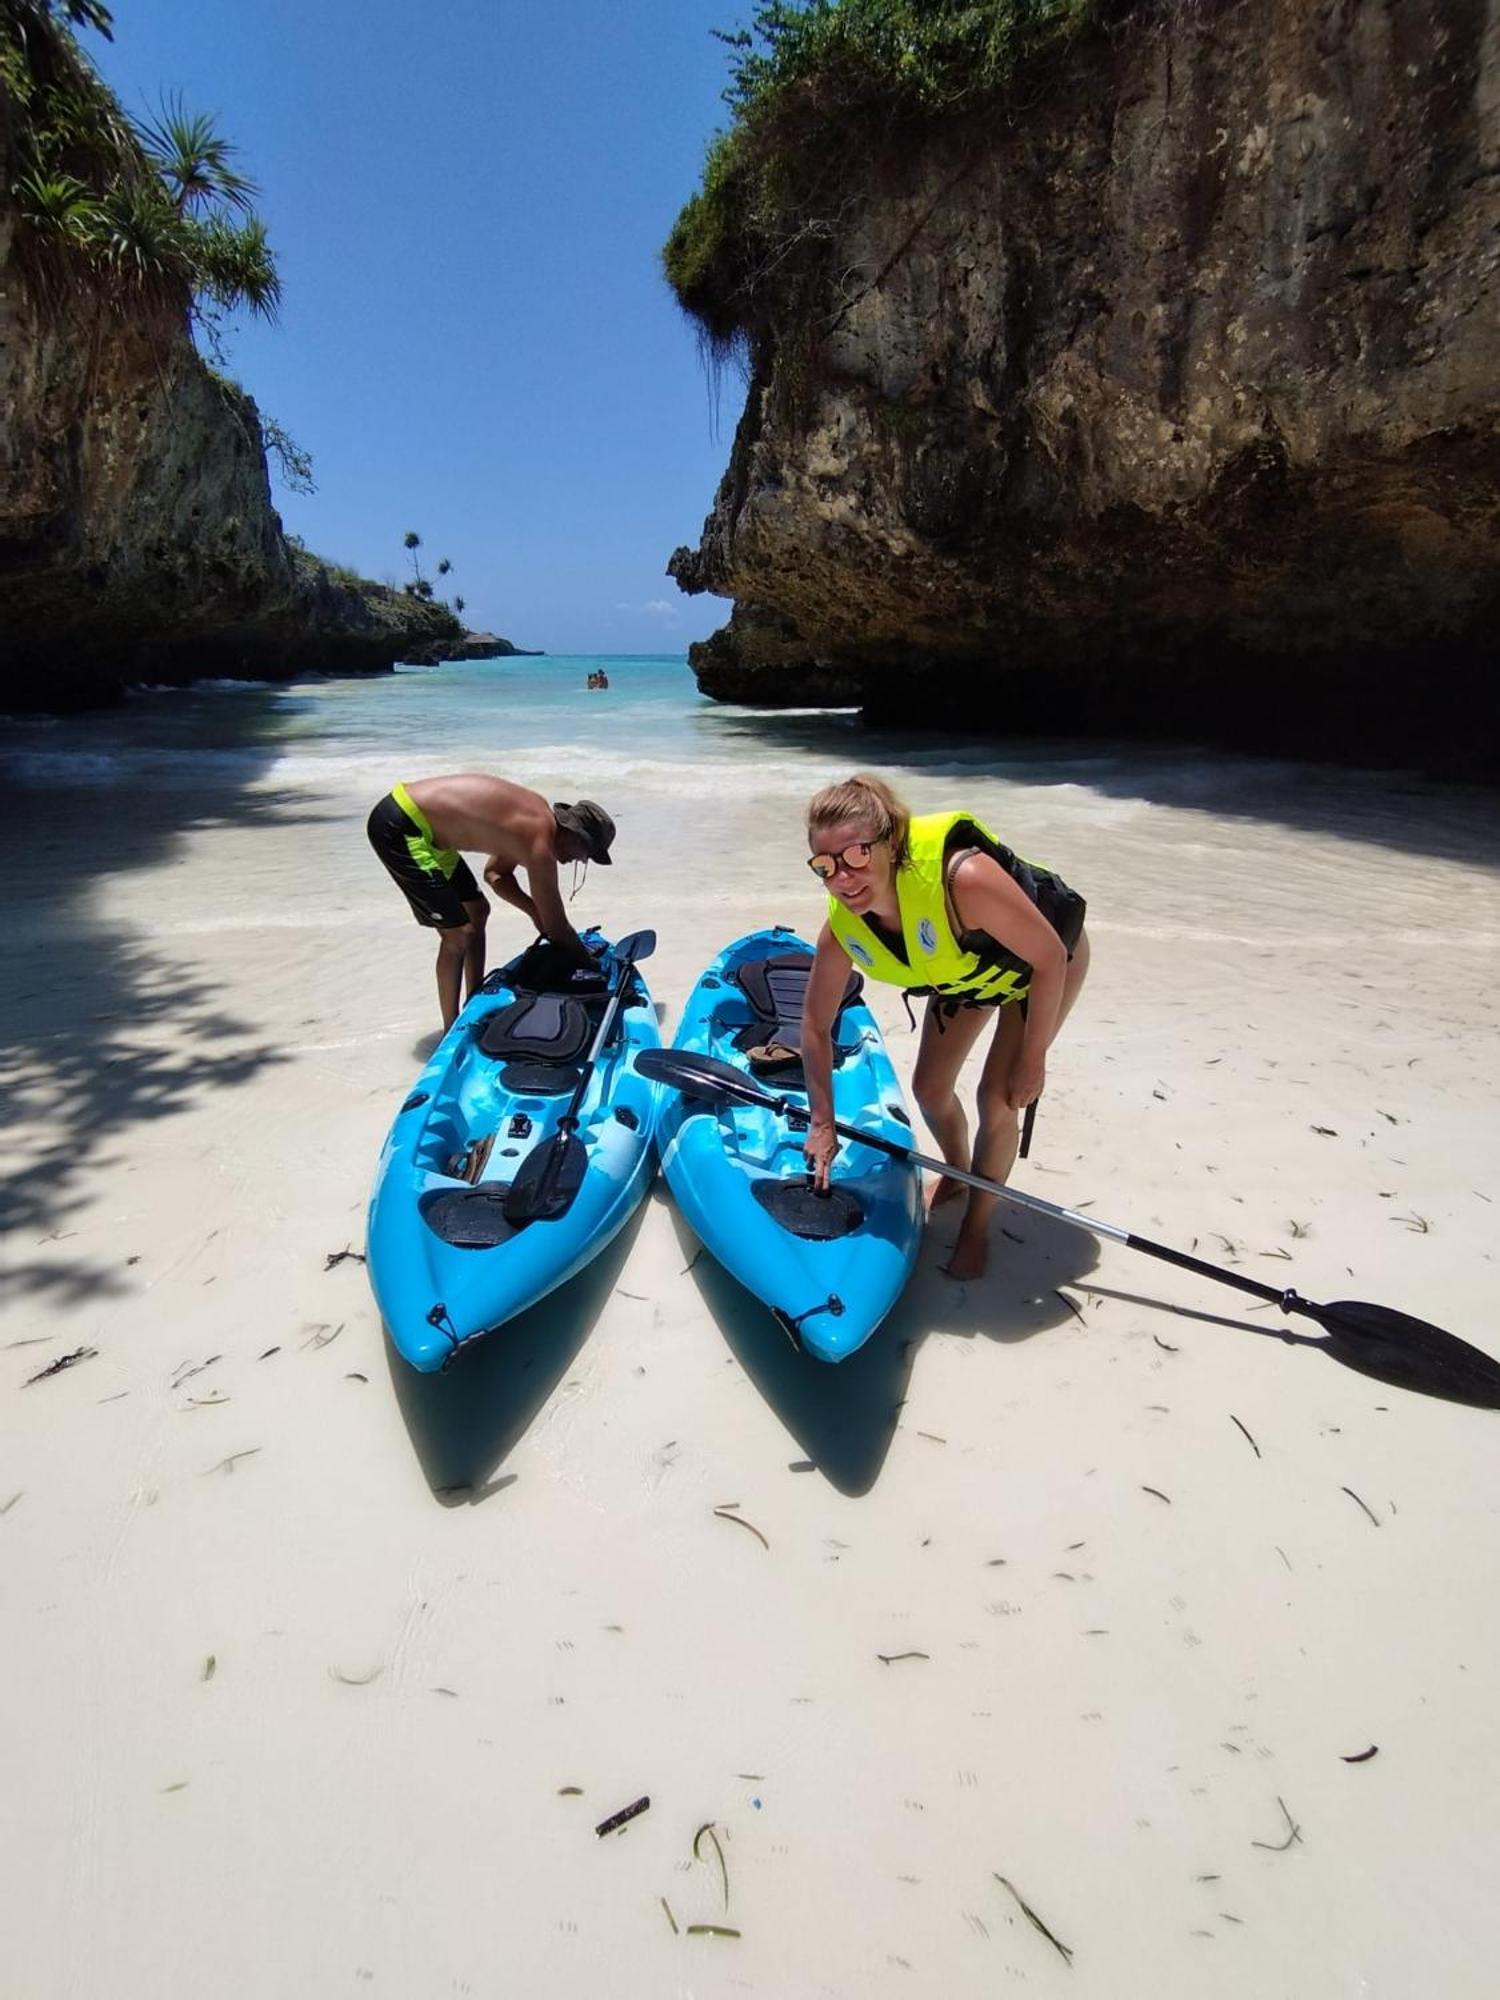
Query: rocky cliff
{"type": "Point", "coordinates": [472, 646]}
{"type": "Point", "coordinates": [137, 536]}
{"type": "Point", "coordinates": [1161, 392]}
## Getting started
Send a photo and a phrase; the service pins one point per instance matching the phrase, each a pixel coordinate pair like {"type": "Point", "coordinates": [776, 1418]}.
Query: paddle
{"type": "Point", "coordinates": [551, 1175]}
{"type": "Point", "coordinates": [1392, 1346]}
{"type": "Point", "coordinates": [1027, 1122]}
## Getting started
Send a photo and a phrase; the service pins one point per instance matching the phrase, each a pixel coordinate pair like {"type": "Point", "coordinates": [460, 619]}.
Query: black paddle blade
{"type": "Point", "coordinates": [548, 1182]}
{"type": "Point", "coordinates": [1408, 1353]}
{"type": "Point", "coordinates": [639, 944]}
{"type": "Point", "coordinates": [701, 1076]}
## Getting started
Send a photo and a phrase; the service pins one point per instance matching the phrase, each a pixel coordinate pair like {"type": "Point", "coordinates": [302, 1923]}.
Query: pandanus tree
{"type": "Point", "coordinates": [153, 209]}
{"type": "Point", "coordinates": [193, 160]}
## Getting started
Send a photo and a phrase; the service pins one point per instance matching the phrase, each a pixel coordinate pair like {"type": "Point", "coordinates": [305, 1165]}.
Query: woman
{"type": "Point", "coordinates": [937, 905]}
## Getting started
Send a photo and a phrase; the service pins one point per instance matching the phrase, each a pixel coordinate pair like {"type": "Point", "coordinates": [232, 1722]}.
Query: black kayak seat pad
{"type": "Point", "coordinates": [539, 1027]}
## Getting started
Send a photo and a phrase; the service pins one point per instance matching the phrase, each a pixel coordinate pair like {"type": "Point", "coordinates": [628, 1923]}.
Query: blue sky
{"type": "Point", "coordinates": [467, 201]}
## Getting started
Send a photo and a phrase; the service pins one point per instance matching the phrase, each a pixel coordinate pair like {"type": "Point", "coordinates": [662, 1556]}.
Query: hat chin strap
{"type": "Point", "coordinates": [579, 880]}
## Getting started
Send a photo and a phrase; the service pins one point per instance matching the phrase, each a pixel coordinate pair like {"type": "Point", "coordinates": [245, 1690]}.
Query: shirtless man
{"type": "Point", "coordinates": [419, 831]}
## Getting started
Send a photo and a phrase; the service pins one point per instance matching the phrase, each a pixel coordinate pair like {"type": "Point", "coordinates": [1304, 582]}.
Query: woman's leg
{"type": "Point", "coordinates": [1078, 966]}
{"type": "Point", "coordinates": [995, 1147]}
{"type": "Point", "coordinates": [940, 1056]}
{"type": "Point", "coordinates": [999, 1123]}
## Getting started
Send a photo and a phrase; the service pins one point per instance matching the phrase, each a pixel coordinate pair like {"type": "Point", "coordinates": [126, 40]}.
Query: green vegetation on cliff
{"type": "Point", "coordinates": [815, 84]}
{"type": "Point", "coordinates": [139, 215]}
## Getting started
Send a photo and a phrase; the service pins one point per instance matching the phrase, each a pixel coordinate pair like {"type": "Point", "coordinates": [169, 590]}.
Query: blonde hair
{"type": "Point", "coordinates": [868, 799]}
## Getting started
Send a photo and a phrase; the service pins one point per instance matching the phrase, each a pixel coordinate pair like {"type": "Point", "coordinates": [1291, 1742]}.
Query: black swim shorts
{"type": "Point", "coordinates": [435, 880]}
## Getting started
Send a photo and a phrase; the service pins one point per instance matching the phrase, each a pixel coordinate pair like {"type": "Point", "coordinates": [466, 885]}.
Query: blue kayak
{"type": "Point", "coordinates": [829, 1266]}
{"type": "Point", "coordinates": [486, 1198]}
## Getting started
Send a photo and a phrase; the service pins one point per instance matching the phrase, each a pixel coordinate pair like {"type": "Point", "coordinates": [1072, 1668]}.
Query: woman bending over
{"type": "Point", "coordinates": [937, 905]}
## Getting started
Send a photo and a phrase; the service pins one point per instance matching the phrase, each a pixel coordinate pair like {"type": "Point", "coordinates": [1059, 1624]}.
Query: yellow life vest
{"type": "Point", "coordinates": [936, 962]}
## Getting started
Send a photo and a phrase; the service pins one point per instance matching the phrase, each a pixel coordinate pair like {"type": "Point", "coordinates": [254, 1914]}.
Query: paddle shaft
{"type": "Point", "coordinates": [567, 1125]}
{"type": "Point", "coordinates": [570, 1117]}
{"type": "Point", "coordinates": [1288, 1300]}
{"type": "Point", "coordinates": [1358, 1330]}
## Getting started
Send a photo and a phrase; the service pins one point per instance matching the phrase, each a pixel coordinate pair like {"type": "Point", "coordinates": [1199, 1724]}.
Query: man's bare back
{"type": "Point", "coordinates": [479, 814]}
{"type": "Point", "coordinates": [420, 832]}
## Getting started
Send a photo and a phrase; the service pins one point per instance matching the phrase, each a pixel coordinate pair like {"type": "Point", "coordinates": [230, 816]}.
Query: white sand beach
{"type": "Point", "coordinates": [318, 1675]}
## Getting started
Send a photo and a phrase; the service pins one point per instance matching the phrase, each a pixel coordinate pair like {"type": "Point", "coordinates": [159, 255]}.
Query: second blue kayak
{"type": "Point", "coordinates": [829, 1266]}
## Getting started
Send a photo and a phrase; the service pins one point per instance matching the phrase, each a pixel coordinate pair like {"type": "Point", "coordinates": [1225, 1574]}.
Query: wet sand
{"type": "Point", "coordinates": [1083, 1591]}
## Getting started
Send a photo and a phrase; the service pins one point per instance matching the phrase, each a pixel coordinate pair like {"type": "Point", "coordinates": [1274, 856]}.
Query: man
{"type": "Point", "coordinates": [419, 831]}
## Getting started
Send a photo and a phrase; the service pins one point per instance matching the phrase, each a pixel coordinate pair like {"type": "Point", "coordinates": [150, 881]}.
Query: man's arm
{"type": "Point", "coordinates": [546, 898]}
{"type": "Point", "coordinates": [501, 877]}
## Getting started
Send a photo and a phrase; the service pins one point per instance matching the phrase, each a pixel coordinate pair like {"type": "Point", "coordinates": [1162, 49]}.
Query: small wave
{"type": "Point", "coordinates": [126, 766]}
{"type": "Point", "coordinates": [560, 768]}
{"type": "Point", "coordinates": [68, 767]}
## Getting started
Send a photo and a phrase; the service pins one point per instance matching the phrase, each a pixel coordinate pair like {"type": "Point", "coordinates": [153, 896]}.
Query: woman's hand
{"type": "Point", "coordinates": [1028, 1078]}
{"type": "Point", "coordinates": [820, 1149]}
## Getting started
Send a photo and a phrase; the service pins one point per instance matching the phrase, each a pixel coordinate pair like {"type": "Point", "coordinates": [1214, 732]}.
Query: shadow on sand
{"type": "Point", "coordinates": [844, 1416]}
{"type": "Point", "coordinates": [103, 1032]}
{"type": "Point", "coordinates": [1381, 1342]}
{"type": "Point", "coordinates": [1401, 810]}
{"type": "Point", "coordinates": [464, 1423]}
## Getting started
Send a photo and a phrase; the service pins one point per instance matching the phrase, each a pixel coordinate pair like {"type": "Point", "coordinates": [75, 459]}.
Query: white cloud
{"type": "Point", "coordinates": [654, 607]}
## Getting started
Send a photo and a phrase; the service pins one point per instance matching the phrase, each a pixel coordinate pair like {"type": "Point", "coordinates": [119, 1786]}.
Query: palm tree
{"type": "Point", "coordinates": [140, 237]}
{"type": "Point", "coordinates": [233, 266]}
{"type": "Point", "coordinates": [59, 205]}
{"type": "Point", "coordinates": [444, 566]}
{"type": "Point", "coordinates": [412, 541]}
{"type": "Point", "coordinates": [193, 159]}
{"type": "Point", "coordinates": [78, 13]}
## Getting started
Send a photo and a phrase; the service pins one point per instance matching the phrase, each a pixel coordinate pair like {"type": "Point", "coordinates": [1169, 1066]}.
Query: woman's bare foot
{"type": "Point", "coordinates": [971, 1255]}
{"type": "Point", "coordinates": [942, 1191]}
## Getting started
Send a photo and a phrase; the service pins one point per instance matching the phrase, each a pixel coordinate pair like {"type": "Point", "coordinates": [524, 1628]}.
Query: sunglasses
{"type": "Point", "coordinates": [855, 857]}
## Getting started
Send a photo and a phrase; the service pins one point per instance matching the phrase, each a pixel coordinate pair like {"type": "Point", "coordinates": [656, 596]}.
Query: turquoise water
{"type": "Point", "coordinates": [528, 718]}
{"type": "Point", "coordinates": [709, 799]}
{"type": "Point", "coordinates": [534, 720]}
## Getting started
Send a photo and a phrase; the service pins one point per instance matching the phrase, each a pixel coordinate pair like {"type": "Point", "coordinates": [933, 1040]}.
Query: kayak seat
{"type": "Point", "coordinates": [774, 987]}
{"type": "Point", "coordinates": [539, 1027]}
{"type": "Point", "coordinates": [540, 1039]}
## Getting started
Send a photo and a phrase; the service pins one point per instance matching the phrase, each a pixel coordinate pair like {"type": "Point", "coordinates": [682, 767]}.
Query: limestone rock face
{"type": "Point", "coordinates": [1164, 394]}
{"type": "Point", "coordinates": [472, 646]}
{"type": "Point", "coordinates": [137, 536]}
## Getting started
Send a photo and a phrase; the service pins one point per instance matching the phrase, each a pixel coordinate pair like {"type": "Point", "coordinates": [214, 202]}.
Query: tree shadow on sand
{"type": "Point", "coordinates": [844, 1416]}
{"type": "Point", "coordinates": [83, 1071]}
{"type": "Point", "coordinates": [464, 1422]}
{"type": "Point", "coordinates": [1401, 810]}
{"type": "Point", "coordinates": [104, 1032]}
